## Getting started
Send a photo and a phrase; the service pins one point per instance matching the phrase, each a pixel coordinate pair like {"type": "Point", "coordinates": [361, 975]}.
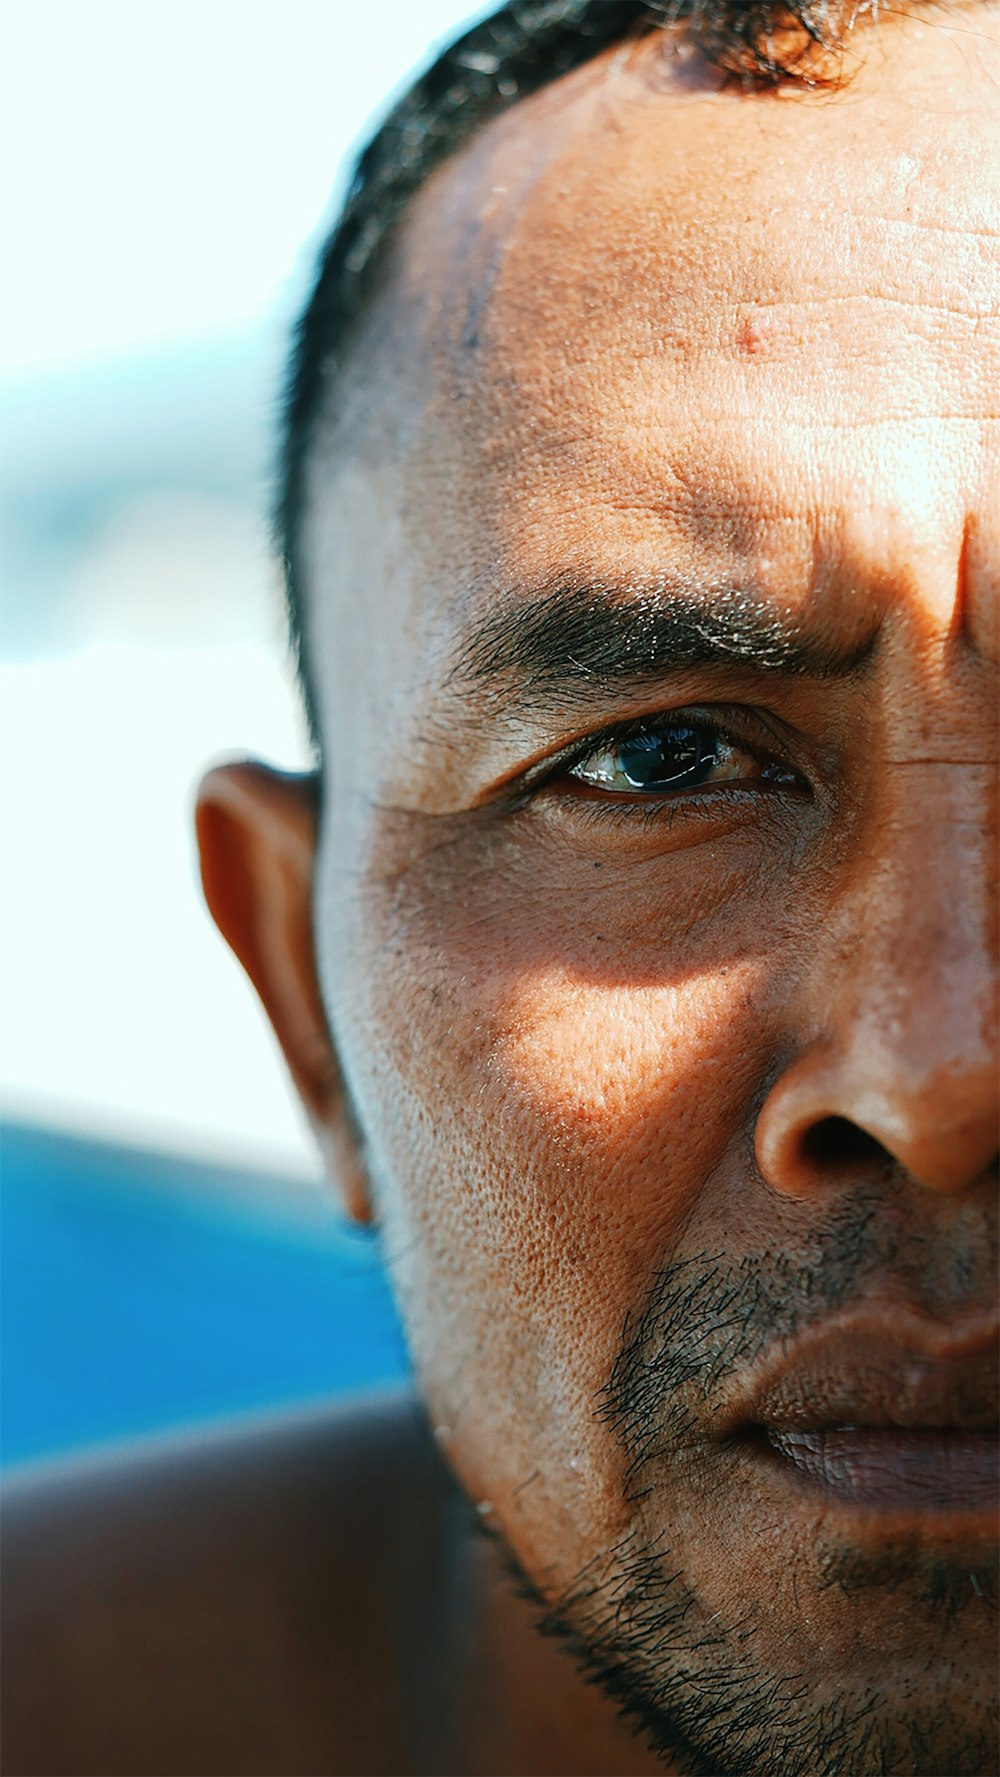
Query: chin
{"type": "Point", "coordinates": [845, 1694]}
{"type": "Point", "coordinates": [805, 1646]}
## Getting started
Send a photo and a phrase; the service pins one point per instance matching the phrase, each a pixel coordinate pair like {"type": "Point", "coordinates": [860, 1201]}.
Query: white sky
{"type": "Point", "coordinates": [167, 169]}
{"type": "Point", "coordinates": [167, 162]}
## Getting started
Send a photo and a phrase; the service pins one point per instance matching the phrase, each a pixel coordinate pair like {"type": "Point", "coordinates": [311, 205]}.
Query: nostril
{"type": "Point", "coordinates": [835, 1143]}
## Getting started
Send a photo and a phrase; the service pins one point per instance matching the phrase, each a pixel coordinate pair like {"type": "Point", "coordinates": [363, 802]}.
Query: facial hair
{"type": "Point", "coordinates": [697, 1690]}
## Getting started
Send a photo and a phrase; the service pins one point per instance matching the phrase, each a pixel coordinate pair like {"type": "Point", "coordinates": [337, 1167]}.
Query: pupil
{"type": "Point", "coordinates": [666, 756]}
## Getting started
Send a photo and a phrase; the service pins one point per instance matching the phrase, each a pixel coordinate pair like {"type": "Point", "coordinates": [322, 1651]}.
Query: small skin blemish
{"type": "Point", "coordinates": [751, 336]}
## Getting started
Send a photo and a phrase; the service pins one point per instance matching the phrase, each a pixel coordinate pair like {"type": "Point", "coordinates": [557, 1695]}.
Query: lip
{"type": "Point", "coordinates": [886, 1468]}
{"type": "Point", "coordinates": [879, 1412]}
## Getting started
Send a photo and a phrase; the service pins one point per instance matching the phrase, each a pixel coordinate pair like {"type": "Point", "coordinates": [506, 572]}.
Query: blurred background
{"type": "Point", "coordinates": [167, 1253]}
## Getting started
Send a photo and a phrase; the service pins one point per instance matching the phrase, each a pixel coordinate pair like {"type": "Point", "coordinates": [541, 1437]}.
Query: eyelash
{"type": "Point", "coordinates": [729, 726]}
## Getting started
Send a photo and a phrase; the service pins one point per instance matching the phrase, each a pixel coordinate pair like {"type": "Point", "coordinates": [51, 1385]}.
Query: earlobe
{"type": "Point", "coordinates": [256, 840]}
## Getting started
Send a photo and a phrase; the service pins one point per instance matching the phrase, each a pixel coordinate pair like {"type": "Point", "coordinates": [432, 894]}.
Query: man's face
{"type": "Point", "coordinates": [653, 579]}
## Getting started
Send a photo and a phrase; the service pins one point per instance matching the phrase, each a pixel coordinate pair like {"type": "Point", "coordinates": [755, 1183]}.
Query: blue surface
{"type": "Point", "coordinates": [141, 1292]}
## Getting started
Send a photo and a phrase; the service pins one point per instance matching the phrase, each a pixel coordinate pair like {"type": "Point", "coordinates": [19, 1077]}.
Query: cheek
{"type": "Point", "coordinates": [545, 1126]}
{"type": "Point", "coordinates": [584, 1045]}
{"type": "Point", "coordinates": [617, 1103]}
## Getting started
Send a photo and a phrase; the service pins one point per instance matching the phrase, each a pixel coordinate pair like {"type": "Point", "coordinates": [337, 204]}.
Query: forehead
{"type": "Point", "coordinates": [641, 316]}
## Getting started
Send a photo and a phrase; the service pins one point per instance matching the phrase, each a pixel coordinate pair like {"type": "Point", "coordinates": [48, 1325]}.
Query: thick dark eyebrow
{"type": "Point", "coordinates": [572, 639]}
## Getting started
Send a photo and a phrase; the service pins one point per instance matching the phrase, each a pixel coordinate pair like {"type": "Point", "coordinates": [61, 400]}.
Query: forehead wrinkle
{"type": "Point", "coordinates": [496, 249]}
{"type": "Point", "coordinates": [501, 385]}
{"type": "Point", "coordinates": [620, 231]}
{"type": "Point", "coordinates": [525, 360]}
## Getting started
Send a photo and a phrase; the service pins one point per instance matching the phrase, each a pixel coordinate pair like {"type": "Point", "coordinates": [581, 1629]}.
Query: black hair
{"type": "Point", "coordinates": [517, 50]}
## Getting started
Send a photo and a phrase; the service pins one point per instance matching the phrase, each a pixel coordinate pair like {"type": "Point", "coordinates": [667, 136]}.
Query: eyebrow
{"type": "Point", "coordinates": [571, 638]}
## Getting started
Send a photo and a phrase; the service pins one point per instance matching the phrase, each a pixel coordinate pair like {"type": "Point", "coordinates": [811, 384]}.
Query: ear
{"type": "Point", "coordinates": [257, 841]}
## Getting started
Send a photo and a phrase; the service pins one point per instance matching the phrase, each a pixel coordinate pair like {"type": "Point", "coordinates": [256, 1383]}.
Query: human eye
{"type": "Point", "coordinates": [675, 756]}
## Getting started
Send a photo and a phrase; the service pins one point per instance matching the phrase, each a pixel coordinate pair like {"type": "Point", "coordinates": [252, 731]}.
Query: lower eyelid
{"type": "Point", "coordinates": [595, 795]}
{"type": "Point", "coordinates": [595, 800]}
{"type": "Point", "coordinates": [638, 814]}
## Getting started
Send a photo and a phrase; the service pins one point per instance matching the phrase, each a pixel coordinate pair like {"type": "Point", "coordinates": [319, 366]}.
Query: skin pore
{"type": "Point", "coordinates": [654, 556]}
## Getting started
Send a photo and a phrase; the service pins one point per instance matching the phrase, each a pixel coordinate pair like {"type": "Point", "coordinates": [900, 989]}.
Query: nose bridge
{"type": "Point", "coordinates": [918, 937]}
{"type": "Point", "coordinates": [902, 1043]}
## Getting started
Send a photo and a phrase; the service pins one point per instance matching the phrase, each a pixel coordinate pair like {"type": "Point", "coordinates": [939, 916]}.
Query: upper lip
{"type": "Point", "coordinates": [871, 1368]}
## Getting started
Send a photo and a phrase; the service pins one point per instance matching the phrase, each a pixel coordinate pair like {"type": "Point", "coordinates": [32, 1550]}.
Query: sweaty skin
{"type": "Point", "coordinates": [677, 1109]}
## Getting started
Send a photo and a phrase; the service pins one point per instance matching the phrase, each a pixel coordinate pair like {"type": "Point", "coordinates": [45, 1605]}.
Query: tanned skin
{"type": "Point", "coordinates": [678, 408]}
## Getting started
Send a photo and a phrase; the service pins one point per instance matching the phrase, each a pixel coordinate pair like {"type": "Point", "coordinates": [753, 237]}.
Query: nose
{"type": "Point", "coordinates": [828, 1121]}
{"type": "Point", "coordinates": [895, 1062]}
